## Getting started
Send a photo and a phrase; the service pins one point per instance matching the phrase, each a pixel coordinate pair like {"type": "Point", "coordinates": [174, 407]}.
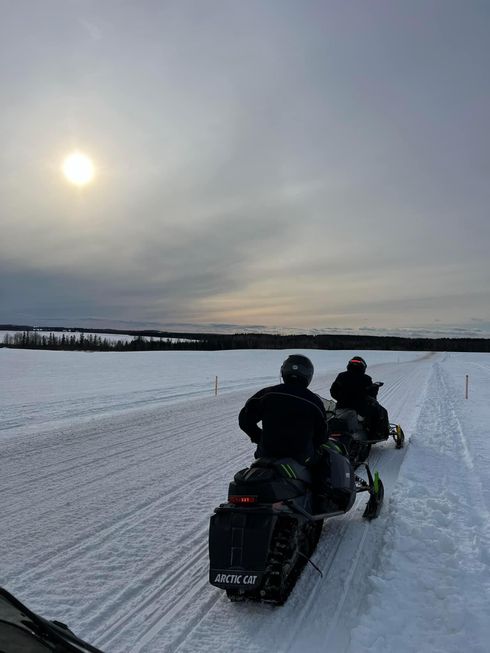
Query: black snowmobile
{"type": "Point", "coordinates": [261, 539]}
{"type": "Point", "coordinates": [23, 631]}
{"type": "Point", "coordinates": [345, 426]}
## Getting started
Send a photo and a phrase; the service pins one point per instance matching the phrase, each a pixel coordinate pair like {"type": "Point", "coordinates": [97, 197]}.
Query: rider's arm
{"type": "Point", "coordinates": [335, 388]}
{"type": "Point", "coordinates": [368, 384]}
{"type": "Point", "coordinates": [321, 428]}
{"type": "Point", "coordinates": [249, 417]}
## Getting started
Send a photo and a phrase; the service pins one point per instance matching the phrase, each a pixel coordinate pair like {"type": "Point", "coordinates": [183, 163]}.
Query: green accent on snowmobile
{"type": "Point", "coordinates": [376, 483]}
{"type": "Point", "coordinates": [331, 445]}
{"type": "Point", "coordinates": [287, 469]}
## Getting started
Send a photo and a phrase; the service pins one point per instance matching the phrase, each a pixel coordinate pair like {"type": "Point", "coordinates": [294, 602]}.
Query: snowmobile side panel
{"type": "Point", "coordinates": [343, 481]}
{"type": "Point", "coordinates": [341, 473]}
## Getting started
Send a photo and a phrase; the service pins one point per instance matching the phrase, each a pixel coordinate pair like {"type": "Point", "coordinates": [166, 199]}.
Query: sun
{"type": "Point", "coordinates": [78, 169]}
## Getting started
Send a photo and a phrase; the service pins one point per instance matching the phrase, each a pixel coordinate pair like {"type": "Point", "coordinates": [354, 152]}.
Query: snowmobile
{"type": "Point", "coordinates": [23, 631]}
{"type": "Point", "coordinates": [346, 426]}
{"type": "Point", "coordinates": [263, 536]}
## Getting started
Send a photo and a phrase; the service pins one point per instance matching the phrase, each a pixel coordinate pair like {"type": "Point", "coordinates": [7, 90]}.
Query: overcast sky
{"type": "Point", "coordinates": [306, 163]}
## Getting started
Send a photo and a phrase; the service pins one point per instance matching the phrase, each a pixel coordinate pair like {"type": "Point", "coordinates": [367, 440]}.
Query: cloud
{"type": "Point", "coordinates": [317, 164]}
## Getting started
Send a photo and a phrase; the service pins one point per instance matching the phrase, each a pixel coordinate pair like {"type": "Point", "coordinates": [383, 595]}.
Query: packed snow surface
{"type": "Point", "coordinates": [112, 464]}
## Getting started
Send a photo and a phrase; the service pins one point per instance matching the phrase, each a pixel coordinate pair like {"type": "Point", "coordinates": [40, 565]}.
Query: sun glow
{"type": "Point", "coordinates": [78, 169]}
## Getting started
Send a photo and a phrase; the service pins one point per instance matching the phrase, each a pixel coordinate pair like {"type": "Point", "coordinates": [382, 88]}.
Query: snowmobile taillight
{"type": "Point", "coordinates": [242, 500]}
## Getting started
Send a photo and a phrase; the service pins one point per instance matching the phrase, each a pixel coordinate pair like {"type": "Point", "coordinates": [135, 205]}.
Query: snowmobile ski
{"type": "Point", "coordinates": [398, 435]}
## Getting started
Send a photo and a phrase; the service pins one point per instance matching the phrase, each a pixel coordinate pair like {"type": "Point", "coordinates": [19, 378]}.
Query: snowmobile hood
{"type": "Point", "coordinates": [23, 631]}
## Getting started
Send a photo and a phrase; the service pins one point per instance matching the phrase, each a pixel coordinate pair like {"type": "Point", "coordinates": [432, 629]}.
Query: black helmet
{"type": "Point", "coordinates": [297, 369]}
{"type": "Point", "coordinates": [357, 364]}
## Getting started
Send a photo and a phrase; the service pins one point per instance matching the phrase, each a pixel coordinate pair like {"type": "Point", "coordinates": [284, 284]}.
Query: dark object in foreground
{"type": "Point", "coordinates": [23, 631]}
{"type": "Point", "coordinates": [262, 538]}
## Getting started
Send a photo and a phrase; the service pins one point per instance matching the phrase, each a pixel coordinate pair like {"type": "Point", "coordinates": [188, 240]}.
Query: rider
{"type": "Point", "coordinates": [293, 421]}
{"type": "Point", "coordinates": [355, 389]}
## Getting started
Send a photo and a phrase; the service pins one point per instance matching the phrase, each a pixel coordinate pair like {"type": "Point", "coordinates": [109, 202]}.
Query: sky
{"type": "Point", "coordinates": [275, 163]}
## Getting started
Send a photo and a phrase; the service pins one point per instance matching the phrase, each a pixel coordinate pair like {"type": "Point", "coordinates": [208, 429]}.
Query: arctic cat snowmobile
{"type": "Point", "coordinates": [346, 426]}
{"type": "Point", "coordinates": [261, 539]}
{"type": "Point", "coordinates": [23, 631]}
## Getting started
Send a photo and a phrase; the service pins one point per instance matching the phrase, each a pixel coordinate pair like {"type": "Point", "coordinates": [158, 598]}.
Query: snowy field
{"type": "Point", "coordinates": [113, 462]}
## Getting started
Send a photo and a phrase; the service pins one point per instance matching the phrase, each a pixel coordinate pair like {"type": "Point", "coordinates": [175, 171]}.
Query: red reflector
{"type": "Point", "coordinates": [242, 500]}
{"type": "Point", "coordinates": [334, 435]}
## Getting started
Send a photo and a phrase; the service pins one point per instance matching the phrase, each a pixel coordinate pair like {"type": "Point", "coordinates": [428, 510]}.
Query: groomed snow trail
{"type": "Point", "coordinates": [320, 611]}
{"type": "Point", "coordinates": [105, 517]}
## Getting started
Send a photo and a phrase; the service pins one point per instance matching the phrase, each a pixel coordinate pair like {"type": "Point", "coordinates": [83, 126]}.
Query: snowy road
{"type": "Point", "coordinates": [109, 476]}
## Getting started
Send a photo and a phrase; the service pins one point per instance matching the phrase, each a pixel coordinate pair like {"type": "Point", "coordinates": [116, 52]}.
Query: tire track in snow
{"type": "Point", "coordinates": [88, 470]}
{"type": "Point", "coordinates": [476, 486]}
{"type": "Point", "coordinates": [99, 453]}
{"type": "Point", "coordinates": [163, 596]}
{"type": "Point", "coordinates": [120, 528]}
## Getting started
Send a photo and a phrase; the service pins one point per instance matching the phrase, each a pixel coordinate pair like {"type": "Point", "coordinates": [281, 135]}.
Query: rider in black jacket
{"type": "Point", "coordinates": [293, 418]}
{"type": "Point", "coordinates": [293, 425]}
{"type": "Point", "coordinates": [354, 389]}
{"type": "Point", "coordinates": [351, 388]}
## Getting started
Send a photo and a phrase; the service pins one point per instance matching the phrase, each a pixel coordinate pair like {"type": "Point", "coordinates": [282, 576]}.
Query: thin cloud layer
{"type": "Point", "coordinates": [320, 165]}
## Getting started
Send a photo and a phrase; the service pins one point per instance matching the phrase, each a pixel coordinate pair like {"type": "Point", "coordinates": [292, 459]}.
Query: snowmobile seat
{"type": "Point", "coordinates": [287, 467]}
{"type": "Point", "coordinates": [271, 480]}
{"type": "Point", "coordinates": [329, 405]}
{"type": "Point", "coordinates": [350, 418]}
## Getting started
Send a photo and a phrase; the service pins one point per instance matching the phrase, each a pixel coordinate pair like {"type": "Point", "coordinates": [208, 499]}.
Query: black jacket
{"type": "Point", "coordinates": [293, 421]}
{"type": "Point", "coordinates": [351, 390]}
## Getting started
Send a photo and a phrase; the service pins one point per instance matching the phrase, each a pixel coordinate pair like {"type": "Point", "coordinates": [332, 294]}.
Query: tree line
{"type": "Point", "coordinates": [80, 342]}
{"type": "Point", "coordinates": [153, 341]}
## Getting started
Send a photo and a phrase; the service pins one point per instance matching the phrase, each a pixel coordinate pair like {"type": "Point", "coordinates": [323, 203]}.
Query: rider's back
{"type": "Point", "coordinates": [293, 421]}
{"type": "Point", "coordinates": [351, 389]}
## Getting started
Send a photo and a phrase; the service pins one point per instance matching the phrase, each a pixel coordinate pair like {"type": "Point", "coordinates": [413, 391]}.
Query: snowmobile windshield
{"type": "Point", "coordinates": [18, 631]}
{"type": "Point", "coordinates": [22, 631]}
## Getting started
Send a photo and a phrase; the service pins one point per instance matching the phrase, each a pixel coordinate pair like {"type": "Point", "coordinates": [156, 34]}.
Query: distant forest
{"type": "Point", "coordinates": [87, 340]}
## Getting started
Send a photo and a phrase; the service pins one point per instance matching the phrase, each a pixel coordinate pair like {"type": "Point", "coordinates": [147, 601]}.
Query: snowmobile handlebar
{"type": "Point", "coordinates": [374, 388]}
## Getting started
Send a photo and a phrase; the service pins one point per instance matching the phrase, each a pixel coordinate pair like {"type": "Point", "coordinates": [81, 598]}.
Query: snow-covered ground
{"type": "Point", "coordinates": [112, 464]}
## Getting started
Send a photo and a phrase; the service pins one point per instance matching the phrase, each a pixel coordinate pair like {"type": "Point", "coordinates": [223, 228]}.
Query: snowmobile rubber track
{"type": "Point", "coordinates": [291, 547]}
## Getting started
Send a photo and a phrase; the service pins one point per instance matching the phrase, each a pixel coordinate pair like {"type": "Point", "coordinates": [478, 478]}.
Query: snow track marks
{"type": "Point", "coordinates": [133, 495]}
